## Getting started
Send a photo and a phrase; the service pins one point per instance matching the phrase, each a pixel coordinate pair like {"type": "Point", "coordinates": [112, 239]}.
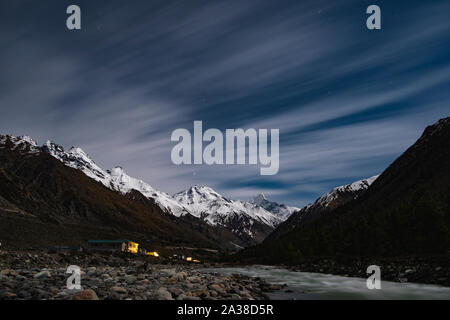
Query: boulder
{"type": "Point", "coordinates": [118, 289]}
{"type": "Point", "coordinates": [88, 294]}
{"type": "Point", "coordinates": [163, 294]}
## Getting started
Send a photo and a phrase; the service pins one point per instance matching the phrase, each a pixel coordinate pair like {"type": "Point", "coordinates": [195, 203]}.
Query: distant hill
{"type": "Point", "coordinates": [406, 211]}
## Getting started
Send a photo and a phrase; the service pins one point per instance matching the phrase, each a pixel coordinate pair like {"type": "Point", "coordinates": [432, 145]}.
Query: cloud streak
{"type": "Point", "coordinates": [347, 101]}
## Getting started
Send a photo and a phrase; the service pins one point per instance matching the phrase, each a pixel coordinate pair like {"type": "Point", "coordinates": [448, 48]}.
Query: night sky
{"type": "Point", "coordinates": [347, 100]}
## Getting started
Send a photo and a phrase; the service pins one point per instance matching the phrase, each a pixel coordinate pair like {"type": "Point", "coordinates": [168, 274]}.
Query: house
{"type": "Point", "coordinates": [123, 245]}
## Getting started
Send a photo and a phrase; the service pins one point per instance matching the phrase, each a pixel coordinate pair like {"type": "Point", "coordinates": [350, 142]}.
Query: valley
{"type": "Point", "coordinates": [52, 200]}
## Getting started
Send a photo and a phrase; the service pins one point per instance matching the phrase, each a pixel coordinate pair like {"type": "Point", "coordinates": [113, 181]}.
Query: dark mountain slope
{"type": "Point", "coordinates": [43, 202]}
{"type": "Point", "coordinates": [406, 211]}
{"type": "Point", "coordinates": [322, 206]}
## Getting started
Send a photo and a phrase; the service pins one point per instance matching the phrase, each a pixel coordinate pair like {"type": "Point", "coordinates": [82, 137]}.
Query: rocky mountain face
{"type": "Point", "coordinates": [323, 205]}
{"type": "Point", "coordinates": [247, 222]}
{"type": "Point", "coordinates": [405, 212]}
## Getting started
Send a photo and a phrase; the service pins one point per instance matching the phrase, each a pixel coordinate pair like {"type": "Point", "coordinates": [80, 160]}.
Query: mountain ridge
{"type": "Point", "coordinates": [250, 222]}
{"type": "Point", "coordinates": [43, 202]}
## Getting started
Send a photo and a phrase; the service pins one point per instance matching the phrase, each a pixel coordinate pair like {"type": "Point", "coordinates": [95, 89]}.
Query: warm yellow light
{"type": "Point", "coordinates": [189, 259]}
{"type": "Point", "coordinates": [133, 247]}
{"type": "Point", "coordinates": [153, 253]}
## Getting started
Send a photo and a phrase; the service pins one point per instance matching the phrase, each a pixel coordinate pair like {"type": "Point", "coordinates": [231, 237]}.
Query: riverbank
{"type": "Point", "coordinates": [433, 269]}
{"type": "Point", "coordinates": [320, 286]}
{"type": "Point", "coordinates": [40, 275]}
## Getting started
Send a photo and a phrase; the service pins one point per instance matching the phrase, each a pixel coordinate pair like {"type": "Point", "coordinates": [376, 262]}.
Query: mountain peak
{"type": "Point", "coordinates": [260, 198]}
{"type": "Point", "coordinates": [439, 125]}
{"type": "Point", "coordinates": [198, 193]}
{"type": "Point", "coordinates": [202, 189]}
{"type": "Point", "coordinates": [281, 211]}
{"type": "Point", "coordinates": [432, 130]}
{"type": "Point", "coordinates": [246, 220]}
{"type": "Point", "coordinates": [23, 143]}
{"type": "Point", "coordinates": [77, 152]}
{"type": "Point", "coordinates": [29, 140]}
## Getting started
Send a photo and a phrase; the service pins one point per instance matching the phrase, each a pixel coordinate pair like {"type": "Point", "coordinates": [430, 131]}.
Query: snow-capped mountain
{"type": "Point", "coordinates": [45, 203]}
{"type": "Point", "coordinates": [242, 218]}
{"type": "Point", "coordinates": [76, 158]}
{"type": "Point", "coordinates": [201, 202]}
{"type": "Point", "coordinates": [279, 210]}
{"type": "Point", "coordinates": [248, 220]}
{"type": "Point", "coordinates": [206, 203]}
{"type": "Point", "coordinates": [115, 178]}
{"type": "Point", "coordinates": [329, 201]}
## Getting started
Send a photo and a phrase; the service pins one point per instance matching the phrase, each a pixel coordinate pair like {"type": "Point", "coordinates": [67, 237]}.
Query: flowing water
{"type": "Point", "coordinates": [307, 285]}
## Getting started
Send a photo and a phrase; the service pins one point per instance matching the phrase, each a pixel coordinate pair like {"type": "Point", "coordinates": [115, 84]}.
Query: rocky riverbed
{"type": "Point", "coordinates": [42, 275]}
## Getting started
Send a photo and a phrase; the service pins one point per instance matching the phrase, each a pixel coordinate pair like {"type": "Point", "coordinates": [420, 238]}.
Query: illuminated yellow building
{"type": "Point", "coordinates": [132, 247]}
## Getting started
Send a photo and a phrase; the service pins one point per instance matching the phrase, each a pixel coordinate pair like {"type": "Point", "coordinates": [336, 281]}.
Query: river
{"type": "Point", "coordinates": [318, 286]}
